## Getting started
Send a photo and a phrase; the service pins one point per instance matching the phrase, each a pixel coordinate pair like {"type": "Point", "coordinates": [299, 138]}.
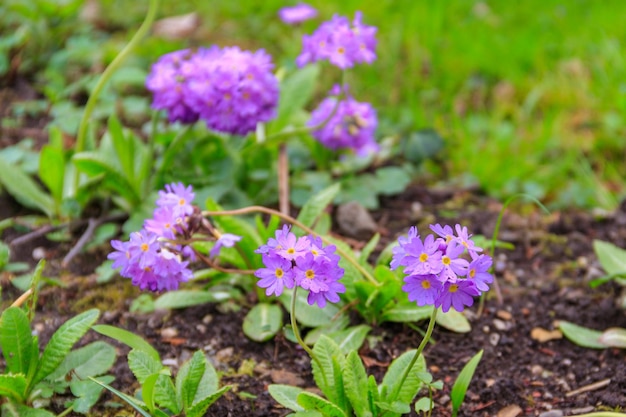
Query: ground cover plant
{"type": "Point", "coordinates": [226, 173]}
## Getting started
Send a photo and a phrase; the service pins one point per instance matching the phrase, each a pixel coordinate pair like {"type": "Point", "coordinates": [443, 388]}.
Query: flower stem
{"type": "Point", "coordinates": [261, 209]}
{"type": "Point", "coordinates": [106, 76]}
{"type": "Point", "coordinates": [283, 178]}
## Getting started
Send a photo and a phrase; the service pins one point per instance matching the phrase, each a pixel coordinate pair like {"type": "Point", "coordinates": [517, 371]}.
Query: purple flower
{"type": "Point", "coordinates": [452, 265]}
{"type": "Point", "coordinates": [276, 275]}
{"type": "Point", "coordinates": [351, 126]}
{"type": "Point", "coordinates": [457, 295]}
{"type": "Point", "coordinates": [311, 274]}
{"type": "Point", "coordinates": [226, 240]}
{"type": "Point", "coordinates": [163, 223]}
{"type": "Point", "coordinates": [178, 198]}
{"type": "Point", "coordinates": [477, 271]}
{"type": "Point", "coordinates": [289, 246]}
{"type": "Point", "coordinates": [297, 14]}
{"type": "Point", "coordinates": [340, 43]}
{"type": "Point", "coordinates": [423, 289]}
{"type": "Point", "coordinates": [399, 252]}
{"type": "Point", "coordinates": [422, 258]}
{"type": "Point", "coordinates": [464, 238]}
{"type": "Point", "coordinates": [334, 288]}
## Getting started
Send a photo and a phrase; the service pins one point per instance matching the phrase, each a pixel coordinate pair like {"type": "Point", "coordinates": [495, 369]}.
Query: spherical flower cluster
{"type": "Point", "coordinates": [297, 14]}
{"type": "Point", "coordinates": [351, 125]}
{"type": "Point", "coordinates": [229, 89]}
{"type": "Point", "coordinates": [302, 261]}
{"type": "Point", "coordinates": [341, 44]}
{"type": "Point", "coordinates": [438, 274]}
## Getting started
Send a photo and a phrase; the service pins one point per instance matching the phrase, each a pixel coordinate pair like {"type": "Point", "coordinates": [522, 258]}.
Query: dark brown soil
{"type": "Point", "coordinates": [544, 279]}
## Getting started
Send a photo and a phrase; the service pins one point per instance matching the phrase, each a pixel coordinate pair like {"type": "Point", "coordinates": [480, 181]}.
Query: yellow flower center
{"type": "Point", "coordinates": [472, 273]}
{"type": "Point", "coordinates": [314, 252]}
{"type": "Point", "coordinates": [423, 257]}
{"type": "Point", "coordinates": [144, 247]}
{"type": "Point", "coordinates": [446, 260]}
{"type": "Point", "coordinates": [279, 273]}
{"type": "Point", "coordinates": [425, 285]}
{"type": "Point", "coordinates": [291, 251]}
{"type": "Point", "coordinates": [309, 274]}
{"type": "Point", "coordinates": [341, 50]}
{"type": "Point", "coordinates": [182, 202]}
{"type": "Point", "coordinates": [453, 288]}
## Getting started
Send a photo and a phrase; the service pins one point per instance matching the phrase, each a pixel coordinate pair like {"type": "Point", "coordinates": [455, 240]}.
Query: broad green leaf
{"type": "Point", "coordinates": [295, 92]}
{"type": "Point", "coordinates": [311, 401]}
{"type": "Point", "coordinates": [309, 315]}
{"type": "Point", "coordinates": [391, 180]}
{"type": "Point", "coordinates": [165, 394]}
{"type": "Point", "coordinates": [263, 321]}
{"type": "Point", "coordinates": [10, 409]}
{"type": "Point", "coordinates": [208, 384]}
{"type": "Point", "coordinates": [16, 340]}
{"type": "Point", "coordinates": [128, 338]}
{"type": "Point", "coordinates": [52, 170]}
{"type": "Point", "coordinates": [306, 413]}
{"type": "Point", "coordinates": [339, 323]}
{"type": "Point", "coordinates": [286, 395]}
{"type": "Point", "coordinates": [148, 393]}
{"type": "Point", "coordinates": [614, 337]}
{"type": "Point", "coordinates": [407, 313]}
{"type": "Point", "coordinates": [355, 385]}
{"type": "Point", "coordinates": [423, 405]}
{"type": "Point", "coordinates": [142, 365]}
{"type": "Point", "coordinates": [13, 386]}
{"type": "Point", "coordinates": [453, 321]}
{"type": "Point", "coordinates": [582, 336]}
{"type": "Point", "coordinates": [189, 377]}
{"type": "Point", "coordinates": [457, 394]}
{"type": "Point", "coordinates": [372, 394]}
{"type": "Point", "coordinates": [391, 381]}
{"type": "Point", "coordinates": [323, 368]}
{"type": "Point", "coordinates": [87, 393]}
{"type": "Point", "coordinates": [351, 338]}
{"type": "Point", "coordinates": [611, 257]}
{"type": "Point", "coordinates": [199, 408]}
{"type": "Point", "coordinates": [396, 407]}
{"type": "Point", "coordinates": [128, 399]}
{"type": "Point", "coordinates": [189, 298]}
{"type": "Point", "coordinates": [317, 204]}
{"type": "Point", "coordinates": [92, 360]}
{"type": "Point", "coordinates": [368, 249]}
{"type": "Point", "coordinates": [123, 147]}
{"type": "Point", "coordinates": [62, 341]}
{"type": "Point", "coordinates": [24, 189]}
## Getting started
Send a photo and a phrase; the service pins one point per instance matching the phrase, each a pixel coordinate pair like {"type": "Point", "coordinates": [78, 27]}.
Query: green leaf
{"type": "Point", "coordinates": [128, 399]}
{"type": "Point", "coordinates": [13, 386]}
{"type": "Point", "coordinates": [62, 341]}
{"type": "Point", "coordinates": [189, 377]}
{"type": "Point", "coordinates": [16, 340]}
{"type": "Point", "coordinates": [18, 410]}
{"type": "Point", "coordinates": [91, 360]}
{"type": "Point", "coordinates": [339, 323]}
{"type": "Point", "coordinates": [457, 394]}
{"type": "Point", "coordinates": [355, 385]}
{"type": "Point", "coordinates": [311, 401]}
{"type": "Point", "coordinates": [143, 365]}
{"type": "Point", "coordinates": [309, 315]}
{"type": "Point", "coordinates": [262, 322]}
{"type": "Point", "coordinates": [372, 394]}
{"type": "Point", "coordinates": [396, 407]}
{"type": "Point", "coordinates": [199, 408]}
{"type": "Point", "coordinates": [316, 205]}
{"type": "Point", "coordinates": [123, 147]}
{"type": "Point", "coordinates": [286, 395]}
{"type": "Point", "coordinates": [165, 394]}
{"type": "Point", "coordinates": [52, 170]}
{"type": "Point", "coordinates": [128, 338]}
{"type": "Point", "coordinates": [148, 392]}
{"type": "Point", "coordinates": [391, 180]}
{"type": "Point", "coordinates": [24, 189]}
{"type": "Point", "coordinates": [189, 298]}
{"type": "Point", "coordinates": [351, 338]}
{"type": "Point", "coordinates": [391, 381]}
{"type": "Point", "coordinates": [407, 313]}
{"type": "Point", "coordinates": [611, 257]}
{"type": "Point", "coordinates": [208, 384]}
{"type": "Point", "coordinates": [614, 337]}
{"type": "Point", "coordinates": [325, 372]}
{"type": "Point", "coordinates": [424, 405]}
{"type": "Point", "coordinates": [87, 393]}
{"type": "Point", "coordinates": [295, 92]}
{"type": "Point", "coordinates": [581, 336]}
{"type": "Point", "coordinates": [453, 321]}
{"type": "Point", "coordinates": [368, 249]}
{"type": "Point", "coordinates": [422, 144]}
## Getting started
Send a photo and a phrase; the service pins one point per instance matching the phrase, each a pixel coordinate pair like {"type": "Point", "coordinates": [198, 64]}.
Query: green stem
{"type": "Point", "coordinates": [261, 209]}
{"type": "Point", "coordinates": [106, 75]}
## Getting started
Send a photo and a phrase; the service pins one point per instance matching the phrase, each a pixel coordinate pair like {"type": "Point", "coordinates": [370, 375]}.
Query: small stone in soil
{"type": "Point", "coordinates": [552, 413]}
{"type": "Point", "coordinates": [510, 411]}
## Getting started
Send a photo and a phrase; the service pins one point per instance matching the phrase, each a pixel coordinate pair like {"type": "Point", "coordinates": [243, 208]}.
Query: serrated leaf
{"type": "Point", "coordinates": [453, 321]}
{"type": "Point", "coordinates": [351, 338]}
{"type": "Point", "coordinates": [24, 189]}
{"type": "Point", "coordinates": [316, 205]}
{"type": "Point", "coordinates": [582, 336]}
{"type": "Point", "coordinates": [189, 298]}
{"type": "Point", "coordinates": [13, 386]}
{"type": "Point", "coordinates": [372, 394]}
{"type": "Point", "coordinates": [262, 322]}
{"type": "Point", "coordinates": [189, 377]}
{"type": "Point", "coordinates": [311, 401]}
{"type": "Point", "coordinates": [286, 395]}
{"type": "Point", "coordinates": [199, 409]}
{"type": "Point", "coordinates": [457, 394]}
{"type": "Point", "coordinates": [93, 359]}
{"type": "Point", "coordinates": [165, 394]}
{"type": "Point", "coordinates": [62, 341]}
{"type": "Point", "coordinates": [87, 393]}
{"type": "Point", "coordinates": [143, 365]}
{"type": "Point", "coordinates": [412, 384]}
{"type": "Point", "coordinates": [611, 257]}
{"type": "Point", "coordinates": [355, 385]}
{"type": "Point", "coordinates": [323, 369]}
{"type": "Point", "coordinates": [614, 337]}
{"type": "Point", "coordinates": [208, 384]}
{"type": "Point", "coordinates": [16, 340]}
{"type": "Point", "coordinates": [128, 338]}
{"type": "Point", "coordinates": [396, 407]}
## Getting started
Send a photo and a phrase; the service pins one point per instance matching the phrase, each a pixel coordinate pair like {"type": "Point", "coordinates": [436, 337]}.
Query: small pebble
{"type": "Point", "coordinates": [486, 329]}
{"type": "Point", "coordinates": [39, 253]}
{"type": "Point", "coordinates": [552, 413]}
{"type": "Point", "coordinates": [536, 369]}
{"type": "Point", "coordinates": [169, 332]}
{"type": "Point", "coordinates": [207, 319]}
{"type": "Point", "coordinates": [502, 325]}
{"type": "Point", "coordinates": [201, 328]}
{"type": "Point", "coordinates": [504, 315]}
{"type": "Point", "coordinates": [444, 399]}
{"type": "Point", "coordinates": [170, 362]}
{"type": "Point", "coordinates": [494, 338]}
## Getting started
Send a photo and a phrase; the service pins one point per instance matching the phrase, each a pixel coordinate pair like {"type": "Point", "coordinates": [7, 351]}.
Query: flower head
{"type": "Point", "coordinates": [297, 14]}
{"type": "Point", "coordinates": [226, 240]}
{"type": "Point", "coordinates": [277, 274]}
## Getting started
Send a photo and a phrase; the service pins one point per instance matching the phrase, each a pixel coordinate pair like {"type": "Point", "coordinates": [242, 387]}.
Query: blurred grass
{"type": "Point", "coordinates": [530, 96]}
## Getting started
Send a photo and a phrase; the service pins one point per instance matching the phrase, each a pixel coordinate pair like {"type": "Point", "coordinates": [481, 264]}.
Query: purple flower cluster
{"type": "Point", "coordinates": [351, 126]}
{"type": "Point", "coordinates": [148, 258]}
{"type": "Point", "coordinates": [340, 43]}
{"type": "Point", "coordinates": [229, 89]}
{"type": "Point", "coordinates": [297, 14]}
{"type": "Point", "coordinates": [302, 261]}
{"type": "Point", "coordinates": [438, 274]}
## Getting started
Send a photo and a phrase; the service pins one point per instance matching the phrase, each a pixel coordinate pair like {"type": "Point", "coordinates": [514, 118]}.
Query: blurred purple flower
{"type": "Point", "coordinates": [226, 240]}
{"type": "Point", "coordinates": [297, 14]}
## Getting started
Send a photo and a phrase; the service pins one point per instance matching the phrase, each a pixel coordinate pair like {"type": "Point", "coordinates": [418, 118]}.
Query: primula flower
{"type": "Point", "coordinates": [226, 240]}
{"type": "Point", "coordinates": [311, 273]}
{"type": "Point", "coordinates": [297, 14]}
{"type": "Point", "coordinates": [351, 126]}
{"type": "Point", "coordinates": [277, 274]}
{"type": "Point", "coordinates": [342, 44]}
{"type": "Point", "coordinates": [438, 272]}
